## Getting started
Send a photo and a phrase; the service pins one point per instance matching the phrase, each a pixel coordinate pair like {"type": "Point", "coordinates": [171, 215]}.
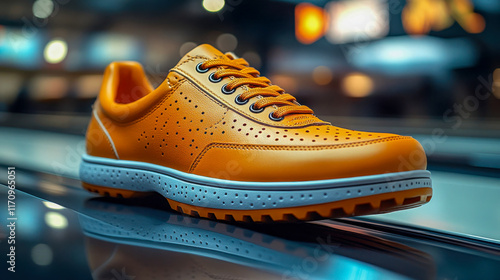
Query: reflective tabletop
{"type": "Point", "coordinates": [64, 232]}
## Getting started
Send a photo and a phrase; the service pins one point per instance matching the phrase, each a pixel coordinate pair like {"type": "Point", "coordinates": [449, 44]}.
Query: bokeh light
{"type": "Point", "coordinates": [88, 86]}
{"type": "Point", "coordinates": [11, 84]}
{"type": "Point", "coordinates": [48, 87]}
{"type": "Point", "coordinates": [474, 23]}
{"type": "Point", "coordinates": [310, 23]}
{"type": "Point", "coordinates": [56, 220]}
{"type": "Point", "coordinates": [42, 254]}
{"type": "Point", "coordinates": [186, 47]}
{"type": "Point", "coordinates": [226, 42]}
{"type": "Point", "coordinates": [52, 205]}
{"type": "Point", "coordinates": [322, 75]}
{"type": "Point", "coordinates": [357, 85]}
{"type": "Point", "coordinates": [213, 5]}
{"type": "Point", "coordinates": [43, 8]}
{"type": "Point", "coordinates": [421, 17]}
{"type": "Point", "coordinates": [357, 20]}
{"type": "Point", "coordinates": [496, 83]}
{"type": "Point", "coordinates": [55, 51]}
{"type": "Point", "coordinates": [54, 189]}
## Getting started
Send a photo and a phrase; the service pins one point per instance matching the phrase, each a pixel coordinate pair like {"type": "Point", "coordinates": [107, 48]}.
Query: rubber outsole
{"type": "Point", "coordinates": [374, 204]}
{"type": "Point", "coordinates": [230, 200]}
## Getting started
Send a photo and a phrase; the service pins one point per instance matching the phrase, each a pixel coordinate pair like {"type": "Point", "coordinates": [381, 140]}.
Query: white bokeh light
{"type": "Point", "coordinates": [52, 205]}
{"type": "Point", "coordinates": [56, 220]}
{"type": "Point", "coordinates": [42, 254]}
{"type": "Point", "coordinates": [55, 51]}
{"type": "Point", "coordinates": [43, 8]}
{"type": "Point", "coordinates": [213, 5]}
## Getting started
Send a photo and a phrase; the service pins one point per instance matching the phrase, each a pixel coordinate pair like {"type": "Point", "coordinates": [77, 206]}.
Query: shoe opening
{"type": "Point", "coordinates": [132, 83]}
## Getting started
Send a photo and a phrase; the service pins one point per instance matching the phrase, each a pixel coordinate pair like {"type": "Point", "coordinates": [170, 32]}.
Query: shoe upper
{"type": "Point", "coordinates": [215, 116]}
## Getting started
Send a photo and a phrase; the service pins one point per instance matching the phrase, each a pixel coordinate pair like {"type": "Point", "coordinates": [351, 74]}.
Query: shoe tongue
{"type": "Point", "coordinates": [204, 50]}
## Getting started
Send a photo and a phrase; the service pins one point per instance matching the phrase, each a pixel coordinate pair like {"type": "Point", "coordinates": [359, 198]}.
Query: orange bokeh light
{"type": "Point", "coordinates": [421, 16]}
{"type": "Point", "coordinates": [310, 23]}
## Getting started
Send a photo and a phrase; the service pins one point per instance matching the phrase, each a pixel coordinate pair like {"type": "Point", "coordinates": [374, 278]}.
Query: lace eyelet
{"type": "Point", "coordinates": [253, 110]}
{"type": "Point", "coordinates": [226, 91]}
{"type": "Point", "coordinates": [212, 79]}
{"type": "Point", "coordinates": [273, 118]}
{"type": "Point", "coordinates": [239, 101]}
{"type": "Point", "coordinates": [199, 69]}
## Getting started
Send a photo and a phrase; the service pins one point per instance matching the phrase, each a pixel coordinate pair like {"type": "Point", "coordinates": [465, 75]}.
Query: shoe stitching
{"type": "Point", "coordinates": [168, 83]}
{"type": "Point", "coordinates": [207, 95]}
{"type": "Point", "coordinates": [192, 58]}
{"type": "Point", "coordinates": [219, 121]}
{"type": "Point", "coordinates": [290, 148]}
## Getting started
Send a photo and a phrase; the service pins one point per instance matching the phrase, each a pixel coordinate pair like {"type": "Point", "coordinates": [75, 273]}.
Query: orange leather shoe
{"type": "Point", "coordinates": [219, 141]}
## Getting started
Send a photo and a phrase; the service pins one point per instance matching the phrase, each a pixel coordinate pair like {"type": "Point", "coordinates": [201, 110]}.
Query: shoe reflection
{"type": "Point", "coordinates": [137, 240]}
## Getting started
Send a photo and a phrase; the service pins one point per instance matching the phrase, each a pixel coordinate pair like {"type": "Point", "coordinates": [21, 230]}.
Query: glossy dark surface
{"type": "Point", "coordinates": [103, 238]}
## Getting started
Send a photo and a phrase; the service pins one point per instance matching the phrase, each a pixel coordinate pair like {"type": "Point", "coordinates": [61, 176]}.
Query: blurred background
{"type": "Point", "coordinates": [419, 60]}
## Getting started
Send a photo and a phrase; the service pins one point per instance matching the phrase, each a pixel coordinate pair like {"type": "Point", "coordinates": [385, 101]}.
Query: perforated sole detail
{"type": "Point", "coordinates": [376, 204]}
{"type": "Point", "coordinates": [259, 206]}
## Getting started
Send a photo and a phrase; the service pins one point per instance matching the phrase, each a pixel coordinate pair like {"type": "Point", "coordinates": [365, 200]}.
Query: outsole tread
{"type": "Point", "coordinates": [376, 204]}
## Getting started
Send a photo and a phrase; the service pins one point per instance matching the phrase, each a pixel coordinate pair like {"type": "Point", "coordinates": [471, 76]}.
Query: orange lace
{"type": "Point", "coordinates": [257, 86]}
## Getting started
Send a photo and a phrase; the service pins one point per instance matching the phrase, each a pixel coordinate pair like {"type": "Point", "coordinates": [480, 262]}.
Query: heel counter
{"type": "Point", "coordinates": [98, 141]}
